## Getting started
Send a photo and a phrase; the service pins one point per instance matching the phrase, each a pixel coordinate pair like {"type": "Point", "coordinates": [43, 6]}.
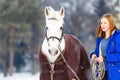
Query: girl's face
{"type": "Point", "coordinates": [105, 26]}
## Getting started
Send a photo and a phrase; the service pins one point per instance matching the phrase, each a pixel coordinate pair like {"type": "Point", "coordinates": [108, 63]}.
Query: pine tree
{"type": "Point", "coordinates": [101, 7]}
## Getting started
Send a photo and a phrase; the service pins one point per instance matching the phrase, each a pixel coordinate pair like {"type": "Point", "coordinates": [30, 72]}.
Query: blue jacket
{"type": "Point", "coordinates": [112, 55]}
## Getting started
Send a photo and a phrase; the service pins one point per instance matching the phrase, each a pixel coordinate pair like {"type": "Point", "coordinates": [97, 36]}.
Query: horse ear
{"type": "Point", "coordinates": [62, 12]}
{"type": "Point", "coordinates": [46, 11]}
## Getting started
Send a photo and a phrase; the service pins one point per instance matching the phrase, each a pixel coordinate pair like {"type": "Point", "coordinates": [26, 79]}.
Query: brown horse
{"type": "Point", "coordinates": [62, 56]}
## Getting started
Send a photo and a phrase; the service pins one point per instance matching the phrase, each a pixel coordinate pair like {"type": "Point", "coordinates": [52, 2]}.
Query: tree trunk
{"type": "Point", "coordinates": [3, 63]}
{"type": "Point", "coordinates": [35, 41]}
{"type": "Point", "coordinates": [11, 49]}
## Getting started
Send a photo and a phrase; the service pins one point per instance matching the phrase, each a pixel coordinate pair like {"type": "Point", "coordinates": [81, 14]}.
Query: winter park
{"type": "Point", "coordinates": [24, 37]}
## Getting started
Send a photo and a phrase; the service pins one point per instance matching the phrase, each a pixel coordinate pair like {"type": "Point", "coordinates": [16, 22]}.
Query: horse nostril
{"type": "Point", "coordinates": [56, 51]}
{"type": "Point", "coordinates": [49, 51]}
{"type": "Point", "coordinates": [53, 52]}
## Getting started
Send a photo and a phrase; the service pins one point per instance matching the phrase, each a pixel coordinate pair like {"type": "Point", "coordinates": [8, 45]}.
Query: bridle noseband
{"type": "Point", "coordinates": [54, 37]}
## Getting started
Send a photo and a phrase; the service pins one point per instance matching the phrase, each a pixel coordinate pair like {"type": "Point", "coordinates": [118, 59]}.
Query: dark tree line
{"type": "Point", "coordinates": [20, 20]}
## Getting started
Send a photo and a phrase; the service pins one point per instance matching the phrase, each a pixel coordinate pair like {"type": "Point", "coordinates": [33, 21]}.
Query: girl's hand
{"type": "Point", "coordinates": [99, 59]}
{"type": "Point", "coordinates": [94, 56]}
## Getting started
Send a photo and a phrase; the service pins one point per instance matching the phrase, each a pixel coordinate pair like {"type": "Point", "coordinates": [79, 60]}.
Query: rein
{"type": "Point", "coordinates": [98, 70]}
{"type": "Point", "coordinates": [68, 64]}
{"type": "Point", "coordinates": [52, 70]}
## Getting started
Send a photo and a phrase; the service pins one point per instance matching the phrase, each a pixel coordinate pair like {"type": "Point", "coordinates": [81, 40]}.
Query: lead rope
{"type": "Point", "coordinates": [52, 70]}
{"type": "Point", "coordinates": [101, 65]}
{"type": "Point", "coordinates": [98, 69]}
{"type": "Point", "coordinates": [68, 64]}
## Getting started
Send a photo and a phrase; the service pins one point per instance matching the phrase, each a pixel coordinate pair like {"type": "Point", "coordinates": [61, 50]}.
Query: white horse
{"type": "Point", "coordinates": [62, 56]}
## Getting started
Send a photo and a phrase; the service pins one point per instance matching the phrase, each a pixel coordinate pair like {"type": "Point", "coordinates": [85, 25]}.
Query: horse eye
{"type": "Point", "coordinates": [46, 27]}
{"type": "Point", "coordinates": [61, 28]}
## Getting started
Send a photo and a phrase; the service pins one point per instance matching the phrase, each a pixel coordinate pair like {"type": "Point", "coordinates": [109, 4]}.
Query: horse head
{"type": "Point", "coordinates": [54, 32]}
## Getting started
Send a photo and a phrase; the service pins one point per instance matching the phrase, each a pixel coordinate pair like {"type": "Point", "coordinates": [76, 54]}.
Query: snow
{"type": "Point", "coordinates": [20, 76]}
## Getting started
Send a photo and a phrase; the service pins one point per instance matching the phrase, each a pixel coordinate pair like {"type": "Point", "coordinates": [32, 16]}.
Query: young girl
{"type": "Point", "coordinates": [108, 40]}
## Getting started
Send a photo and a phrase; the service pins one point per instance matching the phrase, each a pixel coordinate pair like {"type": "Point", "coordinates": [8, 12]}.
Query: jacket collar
{"type": "Point", "coordinates": [113, 32]}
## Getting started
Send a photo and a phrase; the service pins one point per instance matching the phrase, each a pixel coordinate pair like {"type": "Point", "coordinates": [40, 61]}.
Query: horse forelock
{"type": "Point", "coordinates": [53, 19]}
{"type": "Point", "coordinates": [55, 16]}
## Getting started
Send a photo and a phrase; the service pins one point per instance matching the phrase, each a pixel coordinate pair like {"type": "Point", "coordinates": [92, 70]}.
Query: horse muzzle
{"type": "Point", "coordinates": [53, 51]}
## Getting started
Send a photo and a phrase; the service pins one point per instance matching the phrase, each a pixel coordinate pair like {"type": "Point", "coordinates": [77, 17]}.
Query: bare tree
{"type": "Point", "coordinates": [11, 41]}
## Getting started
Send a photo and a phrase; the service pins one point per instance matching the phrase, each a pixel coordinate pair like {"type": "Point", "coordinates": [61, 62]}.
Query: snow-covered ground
{"type": "Point", "coordinates": [20, 76]}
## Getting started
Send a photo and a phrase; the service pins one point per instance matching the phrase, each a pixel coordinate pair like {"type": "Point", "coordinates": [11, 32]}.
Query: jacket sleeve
{"type": "Point", "coordinates": [115, 55]}
{"type": "Point", "coordinates": [96, 51]}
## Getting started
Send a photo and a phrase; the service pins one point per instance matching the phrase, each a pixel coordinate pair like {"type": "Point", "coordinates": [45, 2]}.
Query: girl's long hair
{"type": "Point", "coordinates": [99, 32]}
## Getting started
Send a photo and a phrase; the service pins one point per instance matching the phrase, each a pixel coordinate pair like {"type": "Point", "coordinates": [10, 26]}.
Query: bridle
{"type": "Point", "coordinates": [54, 37]}
{"type": "Point", "coordinates": [59, 47]}
{"type": "Point", "coordinates": [52, 65]}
